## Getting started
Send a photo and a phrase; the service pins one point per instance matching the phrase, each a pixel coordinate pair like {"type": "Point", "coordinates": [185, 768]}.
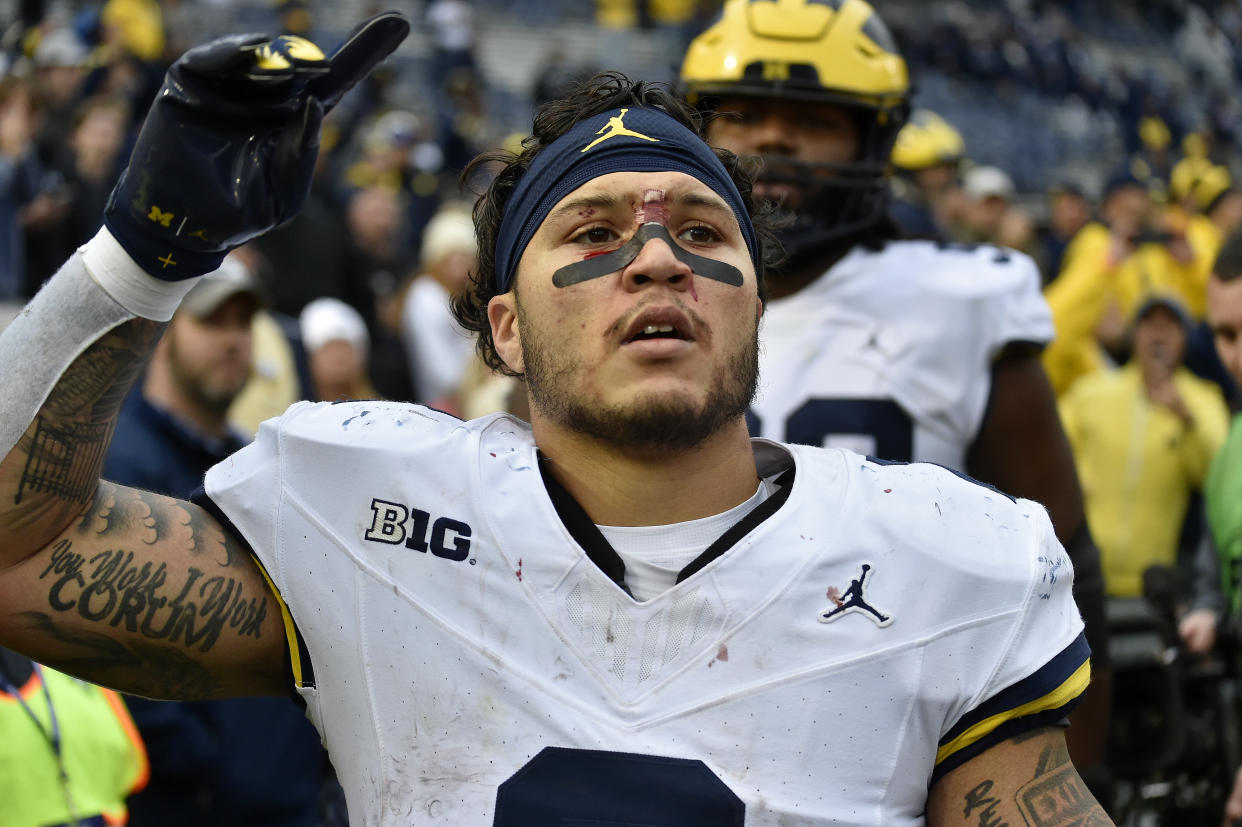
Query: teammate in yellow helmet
{"type": "Point", "coordinates": [908, 350]}
{"type": "Point", "coordinates": [928, 160]}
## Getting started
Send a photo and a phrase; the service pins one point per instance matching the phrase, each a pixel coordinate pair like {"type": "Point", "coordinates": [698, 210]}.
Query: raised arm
{"type": "Point", "coordinates": [137, 591]}
{"type": "Point", "coordinates": [122, 587]}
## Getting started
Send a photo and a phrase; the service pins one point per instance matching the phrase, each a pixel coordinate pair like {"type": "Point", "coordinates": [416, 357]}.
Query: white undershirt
{"type": "Point", "coordinates": [654, 554]}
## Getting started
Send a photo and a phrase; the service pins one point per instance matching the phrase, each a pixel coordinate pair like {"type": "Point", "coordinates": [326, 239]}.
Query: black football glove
{"type": "Point", "coordinates": [229, 145]}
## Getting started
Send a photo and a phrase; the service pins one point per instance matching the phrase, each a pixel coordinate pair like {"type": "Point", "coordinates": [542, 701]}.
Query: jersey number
{"type": "Point", "coordinates": [581, 787]}
{"type": "Point", "coordinates": [883, 422]}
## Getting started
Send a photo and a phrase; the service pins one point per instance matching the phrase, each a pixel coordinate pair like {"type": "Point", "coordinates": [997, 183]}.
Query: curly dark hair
{"type": "Point", "coordinates": [602, 92]}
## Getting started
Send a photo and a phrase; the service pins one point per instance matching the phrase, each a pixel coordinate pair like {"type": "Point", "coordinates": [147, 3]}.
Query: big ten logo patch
{"type": "Point", "coordinates": [396, 524]}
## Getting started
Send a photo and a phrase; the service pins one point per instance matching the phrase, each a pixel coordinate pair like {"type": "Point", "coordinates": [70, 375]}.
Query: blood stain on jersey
{"type": "Point", "coordinates": [722, 655]}
{"type": "Point", "coordinates": [519, 570]}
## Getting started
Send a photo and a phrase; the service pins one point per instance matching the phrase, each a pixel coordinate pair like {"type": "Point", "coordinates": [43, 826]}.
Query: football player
{"type": "Point", "coordinates": [908, 350]}
{"type": "Point", "coordinates": [928, 158]}
{"type": "Point", "coordinates": [626, 611]}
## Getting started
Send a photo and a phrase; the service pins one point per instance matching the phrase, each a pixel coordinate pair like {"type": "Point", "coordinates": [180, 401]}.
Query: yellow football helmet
{"type": "Point", "coordinates": [928, 140]}
{"type": "Point", "coordinates": [827, 51]}
{"type": "Point", "coordinates": [834, 50]}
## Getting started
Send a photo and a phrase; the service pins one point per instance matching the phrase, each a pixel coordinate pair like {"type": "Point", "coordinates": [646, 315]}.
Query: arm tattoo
{"type": "Point", "coordinates": [153, 518]}
{"type": "Point", "coordinates": [165, 617]}
{"type": "Point", "coordinates": [1057, 796]}
{"type": "Point", "coordinates": [979, 800]}
{"type": "Point", "coordinates": [110, 587]}
{"type": "Point", "coordinates": [66, 446]}
{"type": "Point", "coordinates": [142, 595]}
{"type": "Point", "coordinates": [1054, 797]}
{"type": "Point", "coordinates": [89, 386]}
{"type": "Point", "coordinates": [151, 669]}
{"type": "Point", "coordinates": [64, 461]}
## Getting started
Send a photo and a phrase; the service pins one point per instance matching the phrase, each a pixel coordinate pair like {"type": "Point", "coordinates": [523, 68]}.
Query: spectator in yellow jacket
{"type": "Point", "coordinates": [1143, 437]}
{"type": "Point", "coordinates": [70, 753]}
{"type": "Point", "coordinates": [1107, 270]}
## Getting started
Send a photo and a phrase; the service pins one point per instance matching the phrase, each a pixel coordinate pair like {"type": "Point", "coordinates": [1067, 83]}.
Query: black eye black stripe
{"type": "Point", "coordinates": [593, 268]}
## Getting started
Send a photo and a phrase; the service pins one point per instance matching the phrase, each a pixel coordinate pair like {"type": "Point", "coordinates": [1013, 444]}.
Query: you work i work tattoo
{"type": "Point", "coordinates": [111, 587]}
{"type": "Point", "coordinates": [107, 566]}
{"type": "Point", "coordinates": [175, 611]}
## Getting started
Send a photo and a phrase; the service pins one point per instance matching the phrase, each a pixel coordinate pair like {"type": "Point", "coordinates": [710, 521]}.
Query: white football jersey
{"type": "Point", "coordinates": [467, 664]}
{"type": "Point", "coordinates": [890, 353]}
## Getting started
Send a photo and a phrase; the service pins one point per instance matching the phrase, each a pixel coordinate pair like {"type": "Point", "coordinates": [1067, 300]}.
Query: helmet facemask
{"type": "Point", "coordinates": [837, 52]}
{"type": "Point", "coordinates": [836, 200]}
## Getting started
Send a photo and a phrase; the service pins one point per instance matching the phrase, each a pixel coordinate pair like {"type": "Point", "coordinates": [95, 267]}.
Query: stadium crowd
{"type": "Point", "coordinates": [1135, 229]}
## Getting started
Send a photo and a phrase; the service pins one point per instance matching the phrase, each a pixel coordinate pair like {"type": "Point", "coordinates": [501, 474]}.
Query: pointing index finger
{"type": "Point", "coordinates": [363, 49]}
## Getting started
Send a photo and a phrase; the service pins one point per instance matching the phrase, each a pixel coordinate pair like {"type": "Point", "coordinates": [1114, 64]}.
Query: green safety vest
{"type": "Point", "coordinates": [103, 755]}
{"type": "Point", "coordinates": [1223, 496]}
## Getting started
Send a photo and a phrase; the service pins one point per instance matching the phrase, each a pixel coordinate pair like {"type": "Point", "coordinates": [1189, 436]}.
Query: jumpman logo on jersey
{"type": "Point", "coordinates": [854, 601]}
{"type": "Point", "coordinates": [615, 128]}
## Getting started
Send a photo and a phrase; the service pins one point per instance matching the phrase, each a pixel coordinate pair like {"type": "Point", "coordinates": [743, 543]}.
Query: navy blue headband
{"type": "Point", "coordinates": [626, 140]}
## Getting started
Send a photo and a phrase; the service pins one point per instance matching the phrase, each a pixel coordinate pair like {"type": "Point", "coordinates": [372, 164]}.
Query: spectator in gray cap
{"type": "Point", "coordinates": [244, 760]}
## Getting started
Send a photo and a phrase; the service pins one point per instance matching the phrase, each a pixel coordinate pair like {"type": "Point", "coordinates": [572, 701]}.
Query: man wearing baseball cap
{"type": "Point", "coordinates": [1143, 436]}
{"type": "Point", "coordinates": [212, 762]}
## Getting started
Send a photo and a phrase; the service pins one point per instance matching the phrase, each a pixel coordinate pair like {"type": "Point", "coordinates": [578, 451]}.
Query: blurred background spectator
{"type": "Point", "coordinates": [1068, 212]}
{"type": "Point", "coordinates": [928, 160]}
{"type": "Point", "coordinates": [20, 174]}
{"type": "Point", "coordinates": [438, 348]}
{"type": "Point", "coordinates": [337, 344]}
{"type": "Point", "coordinates": [991, 217]}
{"type": "Point", "coordinates": [241, 760]}
{"type": "Point", "coordinates": [1137, 245]}
{"type": "Point", "coordinates": [279, 371]}
{"type": "Point", "coordinates": [1143, 438]}
{"type": "Point", "coordinates": [452, 24]}
{"type": "Point", "coordinates": [1224, 486]}
{"type": "Point", "coordinates": [70, 753]}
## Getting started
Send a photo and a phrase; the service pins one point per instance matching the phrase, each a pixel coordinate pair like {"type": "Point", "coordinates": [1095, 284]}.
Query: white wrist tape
{"type": "Point", "coordinates": [98, 288]}
{"type": "Point", "coordinates": [134, 289]}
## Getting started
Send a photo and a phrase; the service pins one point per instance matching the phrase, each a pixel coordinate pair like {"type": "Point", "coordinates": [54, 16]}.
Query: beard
{"type": "Point", "coordinates": [667, 421]}
{"type": "Point", "coordinates": [210, 393]}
